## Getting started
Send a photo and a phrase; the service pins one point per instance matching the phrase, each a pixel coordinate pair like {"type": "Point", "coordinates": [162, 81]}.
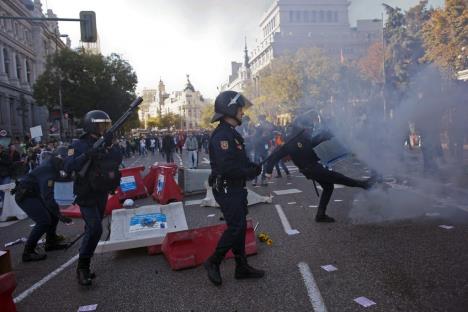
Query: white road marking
{"type": "Point", "coordinates": [285, 222]}
{"type": "Point", "coordinates": [337, 186]}
{"type": "Point", "coordinates": [312, 289]}
{"type": "Point", "coordinates": [47, 278]}
{"type": "Point", "coordinates": [287, 192]}
{"type": "Point", "coordinates": [180, 160]}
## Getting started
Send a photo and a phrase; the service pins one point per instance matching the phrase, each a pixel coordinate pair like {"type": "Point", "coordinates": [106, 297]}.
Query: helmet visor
{"type": "Point", "coordinates": [101, 127]}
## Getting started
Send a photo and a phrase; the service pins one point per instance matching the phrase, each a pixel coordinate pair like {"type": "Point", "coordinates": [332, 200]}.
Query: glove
{"type": "Point", "coordinates": [108, 138]}
{"type": "Point", "coordinates": [65, 220]}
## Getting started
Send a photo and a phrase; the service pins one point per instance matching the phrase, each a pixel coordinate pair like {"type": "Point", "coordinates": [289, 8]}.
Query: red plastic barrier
{"type": "Point", "coordinates": [134, 174]}
{"type": "Point", "coordinates": [187, 249]}
{"type": "Point", "coordinates": [150, 179]}
{"type": "Point", "coordinates": [73, 211]}
{"type": "Point", "coordinates": [166, 189]}
{"type": "Point", "coordinates": [7, 286]}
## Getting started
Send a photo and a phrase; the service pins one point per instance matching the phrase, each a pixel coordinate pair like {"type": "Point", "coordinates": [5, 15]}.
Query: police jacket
{"type": "Point", "coordinates": [77, 158]}
{"type": "Point", "coordinates": [41, 182]}
{"type": "Point", "coordinates": [228, 158]}
{"type": "Point", "coordinates": [300, 149]}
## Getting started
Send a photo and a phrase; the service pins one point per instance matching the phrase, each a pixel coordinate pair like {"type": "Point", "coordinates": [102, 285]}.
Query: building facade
{"type": "Point", "coordinates": [24, 47]}
{"type": "Point", "coordinates": [289, 25]}
{"type": "Point", "coordinates": [187, 103]}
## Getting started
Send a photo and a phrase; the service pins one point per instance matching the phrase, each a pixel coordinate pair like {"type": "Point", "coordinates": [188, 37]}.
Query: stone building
{"type": "Point", "coordinates": [24, 47]}
{"type": "Point", "coordinates": [289, 25]}
{"type": "Point", "coordinates": [187, 103]}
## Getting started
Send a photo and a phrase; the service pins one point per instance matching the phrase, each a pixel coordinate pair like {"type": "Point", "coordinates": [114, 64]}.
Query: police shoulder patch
{"type": "Point", "coordinates": [299, 144]}
{"type": "Point", "coordinates": [71, 152]}
{"type": "Point", "coordinates": [224, 145]}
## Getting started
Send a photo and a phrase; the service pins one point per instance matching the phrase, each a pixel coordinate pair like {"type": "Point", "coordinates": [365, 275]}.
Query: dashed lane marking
{"type": "Point", "coordinates": [287, 192]}
{"type": "Point", "coordinates": [312, 289]}
{"type": "Point", "coordinates": [284, 221]}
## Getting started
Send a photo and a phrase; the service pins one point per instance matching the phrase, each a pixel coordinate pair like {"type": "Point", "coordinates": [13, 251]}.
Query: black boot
{"type": "Point", "coordinates": [244, 270]}
{"type": "Point", "coordinates": [212, 266]}
{"type": "Point", "coordinates": [324, 218]}
{"type": "Point", "coordinates": [55, 242]}
{"type": "Point", "coordinates": [83, 273]}
{"type": "Point", "coordinates": [30, 254]}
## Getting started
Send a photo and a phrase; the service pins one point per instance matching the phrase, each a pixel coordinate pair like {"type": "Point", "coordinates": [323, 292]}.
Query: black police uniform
{"type": "Point", "coordinates": [91, 194]}
{"type": "Point", "coordinates": [34, 194]}
{"type": "Point", "coordinates": [230, 168]}
{"type": "Point", "coordinates": [301, 151]}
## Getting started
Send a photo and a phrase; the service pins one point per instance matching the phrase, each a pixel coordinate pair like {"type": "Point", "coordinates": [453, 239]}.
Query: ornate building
{"type": "Point", "coordinates": [24, 47]}
{"type": "Point", "coordinates": [289, 25]}
{"type": "Point", "coordinates": [187, 103]}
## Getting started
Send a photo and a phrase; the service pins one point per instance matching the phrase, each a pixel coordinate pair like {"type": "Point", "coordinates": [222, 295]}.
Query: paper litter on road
{"type": "Point", "coordinates": [211, 215]}
{"type": "Point", "coordinates": [86, 308]}
{"type": "Point", "coordinates": [18, 241]}
{"type": "Point", "coordinates": [329, 268]}
{"type": "Point", "coordinates": [313, 206]}
{"type": "Point", "coordinates": [447, 227]}
{"type": "Point", "coordinates": [432, 214]}
{"type": "Point", "coordinates": [292, 232]}
{"type": "Point", "coordinates": [291, 203]}
{"type": "Point", "coordinates": [364, 302]}
{"type": "Point", "coordinates": [287, 192]}
{"type": "Point", "coordinates": [338, 200]}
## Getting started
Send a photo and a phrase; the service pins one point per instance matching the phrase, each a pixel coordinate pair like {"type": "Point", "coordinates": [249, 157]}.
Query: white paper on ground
{"type": "Point", "coordinates": [338, 200]}
{"type": "Point", "coordinates": [291, 203]}
{"type": "Point", "coordinates": [313, 206]}
{"type": "Point", "coordinates": [292, 232]}
{"type": "Point", "coordinates": [211, 215]}
{"type": "Point", "coordinates": [86, 308]}
{"type": "Point", "coordinates": [287, 192]}
{"type": "Point", "coordinates": [447, 227]}
{"type": "Point", "coordinates": [329, 268]}
{"type": "Point", "coordinates": [364, 302]}
{"type": "Point", "coordinates": [432, 214]}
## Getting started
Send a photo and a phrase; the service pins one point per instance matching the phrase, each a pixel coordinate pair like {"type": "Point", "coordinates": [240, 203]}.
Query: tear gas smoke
{"type": "Point", "coordinates": [426, 179]}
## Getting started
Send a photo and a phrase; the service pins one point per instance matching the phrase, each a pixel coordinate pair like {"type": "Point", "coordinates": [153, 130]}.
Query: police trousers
{"type": "Point", "coordinates": [233, 204]}
{"type": "Point", "coordinates": [327, 179]}
{"type": "Point", "coordinates": [92, 211]}
{"type": "Point", "coordinates": [46, 222]}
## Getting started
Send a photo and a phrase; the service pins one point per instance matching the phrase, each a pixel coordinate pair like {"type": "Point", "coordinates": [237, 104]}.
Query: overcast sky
{"type": "Point", "coordinates": [172, 38]}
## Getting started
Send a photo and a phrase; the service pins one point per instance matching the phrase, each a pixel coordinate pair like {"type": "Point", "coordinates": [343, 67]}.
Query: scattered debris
{"type": "Point", "coordinates": [329, 268]}
{"type": "Point", "coordinates": [87, 308]}
{"type": "Point", "coordinates": [263, 237]}
{"type": "Point", "coordinates": [18, 241]}
{"type": "Point", "coordinates": [364, 302]}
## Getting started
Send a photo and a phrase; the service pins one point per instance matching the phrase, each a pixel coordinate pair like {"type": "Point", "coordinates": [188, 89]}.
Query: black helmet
{"type": "Point", "coordinates": [307, 121]}
{"type": "Point", "coordinates": [61, 152]}
{"type": "Point", "coordinates": [227, 103]}
{"type": "Point", "coordinates": [96, 122]}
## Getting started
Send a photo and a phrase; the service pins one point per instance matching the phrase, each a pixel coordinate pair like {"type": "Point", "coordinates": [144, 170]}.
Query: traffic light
{"type": "Point", "coordinates": [88, 26]}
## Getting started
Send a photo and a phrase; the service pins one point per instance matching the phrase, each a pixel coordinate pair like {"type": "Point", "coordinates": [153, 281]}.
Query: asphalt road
{"type": "Point", "coordinates": [401, 261]}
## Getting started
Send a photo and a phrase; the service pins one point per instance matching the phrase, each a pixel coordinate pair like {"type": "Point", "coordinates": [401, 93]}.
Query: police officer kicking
{"type": "Point", "coordinates": [93, 186]}
{"type": "Point", "coordinates": [300, 147]}
{"type": "Point", "coordinates": [230, 168]}
{"type": "Point", "coordinates": [34, 194]}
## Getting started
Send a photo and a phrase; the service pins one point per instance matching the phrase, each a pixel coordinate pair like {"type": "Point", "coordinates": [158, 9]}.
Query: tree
{"type": "Point", "coordinates": [371, 65]}
{"type": "Point", "coordinates": [446, 34]}
{"type": "Point", "coordinates": [88, 82]}
{"type": "Point", "coordinates": [165, 121]}
{"type": "Point", "coordinates": [206, 115]}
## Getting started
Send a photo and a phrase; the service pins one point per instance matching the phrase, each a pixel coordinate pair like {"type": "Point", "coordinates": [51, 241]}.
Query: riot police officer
{"type": "Point", "coordinates": [230, 168]}
{"type": "Point", "coordinates": [34, 194]}
{"type": "Point", "coordinates": [300, 147]}
{"type": "Point", "coordinates": [93, 185]}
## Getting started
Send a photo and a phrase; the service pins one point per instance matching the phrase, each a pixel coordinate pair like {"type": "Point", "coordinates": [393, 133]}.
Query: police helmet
{"type": "Point", "coordinates": [96, 122]}
{"type": "Point", "coordinates": [61, 152]}
{"type": "Point", "coordinates": [227, 103]}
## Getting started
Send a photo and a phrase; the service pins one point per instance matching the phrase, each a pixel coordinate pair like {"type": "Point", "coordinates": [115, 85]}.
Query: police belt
{"type": "Point", "coordinates": [219, 182]}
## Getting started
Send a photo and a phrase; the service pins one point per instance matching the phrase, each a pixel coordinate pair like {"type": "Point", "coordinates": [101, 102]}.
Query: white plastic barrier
{"type": "Point", "coordinates": [193, 180]}
{"type": "Point", "coordinates": [10, 207]}
{"type": "Point", "coordinates": [63, 193]}
{"type": "Point", "coordinates": [252, 198]}
{"type": "Point", "coordinates": [143, 226]}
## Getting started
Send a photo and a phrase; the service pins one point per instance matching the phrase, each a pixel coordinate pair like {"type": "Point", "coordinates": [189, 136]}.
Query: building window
{"type": "Point", "coordinates": [28, 71]}
{"type": "Point", "coordinates": [314, 16]}
{"type": "Point", "coordinates": [329, 16]}
{"type": "Point", "coordinates": [12, 111]}
{"type": "Point", "coordinates": [6, 61]}
{"type": "Point", "coordinates": [321, 16]}
{"type": "Point", "coordinates": [18, 67]}
{"type": "Point", "coordinates": [335, 17]}
{"type": "Point", "coordinates": [291, 16]}
{"type": "Point", "coordinates": [297, 16]}
{"type": "Point", "coordinates": [306, 17]}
